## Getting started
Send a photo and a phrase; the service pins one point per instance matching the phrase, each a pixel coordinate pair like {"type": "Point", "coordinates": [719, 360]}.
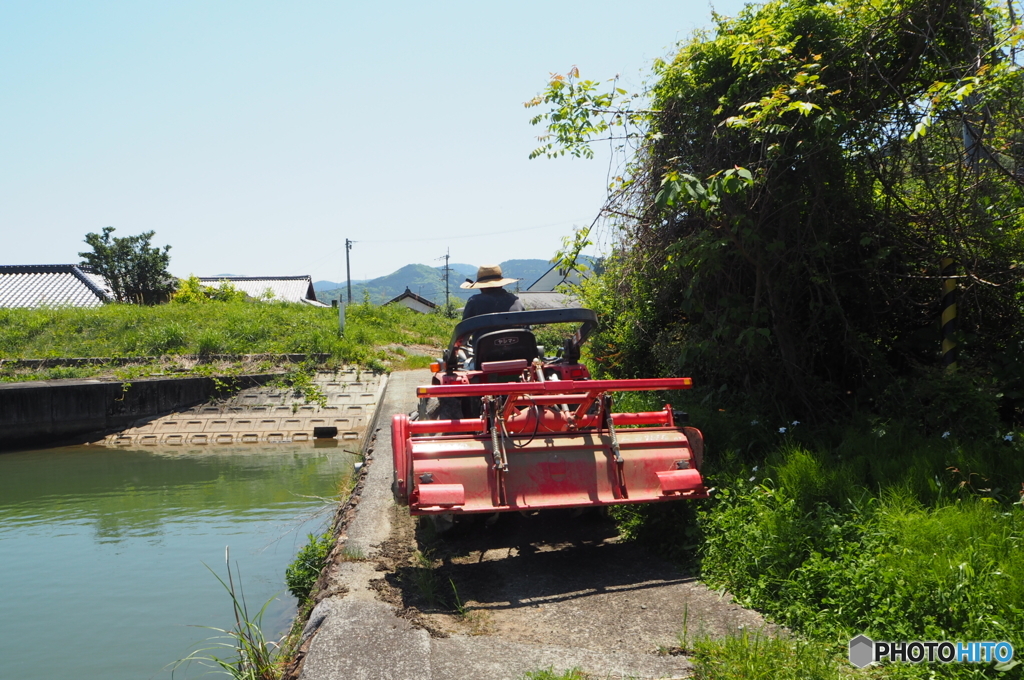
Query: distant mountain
{"type": "Point", "coordinates": [461, 272]}
{"type": "Point", "coordinates": [427, 282]}
{"type": "Point", "coordinates": [330, 285]}
{"type": "Point", "coordinates": [527, 271]}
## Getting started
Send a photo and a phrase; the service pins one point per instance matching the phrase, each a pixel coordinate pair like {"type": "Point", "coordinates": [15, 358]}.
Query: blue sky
{"type": "Point", "coordinates": [255, 137]}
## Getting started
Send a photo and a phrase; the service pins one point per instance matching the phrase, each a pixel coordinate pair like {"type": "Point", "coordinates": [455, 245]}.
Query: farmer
{"type": "Point", "coordinates": [492, 298]}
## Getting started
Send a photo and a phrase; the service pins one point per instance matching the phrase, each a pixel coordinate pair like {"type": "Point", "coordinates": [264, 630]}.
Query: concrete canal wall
{"type": "Point", "coordinates": [45, 412]}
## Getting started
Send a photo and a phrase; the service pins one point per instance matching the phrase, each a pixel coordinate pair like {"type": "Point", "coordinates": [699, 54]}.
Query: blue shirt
{"type": "Point", "coordinates": [492, 301]}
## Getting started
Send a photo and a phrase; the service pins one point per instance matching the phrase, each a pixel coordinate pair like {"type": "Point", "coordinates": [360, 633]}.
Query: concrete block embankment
{"type": "Point", "coordinates": [49, 411]}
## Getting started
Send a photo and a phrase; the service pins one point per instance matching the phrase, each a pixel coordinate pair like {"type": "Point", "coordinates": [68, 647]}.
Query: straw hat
{"type": "Point", "coordinates": [488, 276]}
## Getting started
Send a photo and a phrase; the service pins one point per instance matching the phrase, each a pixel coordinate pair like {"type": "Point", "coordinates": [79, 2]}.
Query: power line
{"type": "Point", "coordinates": [309, 264]}
{"type": "Point", "coordinates": [490, 233]}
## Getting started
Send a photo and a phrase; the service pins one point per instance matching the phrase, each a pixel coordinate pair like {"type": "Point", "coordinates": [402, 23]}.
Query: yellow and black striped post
{"type": "Point", "coordinates": [948, 313]}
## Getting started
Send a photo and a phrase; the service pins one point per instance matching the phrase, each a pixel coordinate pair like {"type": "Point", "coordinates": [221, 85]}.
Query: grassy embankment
{"type": "Point", "coordinates": [373, 338]}
{"type": "Point", "coordinates": [873, 528]}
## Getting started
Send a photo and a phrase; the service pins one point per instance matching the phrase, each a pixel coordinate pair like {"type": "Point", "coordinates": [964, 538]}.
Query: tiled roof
{"type": "Point", "coordinates": [413, 296]}
{"type": "Point", "coordinates": [285, 288]}
{"type": "Point", "coordinates": [51, 285]}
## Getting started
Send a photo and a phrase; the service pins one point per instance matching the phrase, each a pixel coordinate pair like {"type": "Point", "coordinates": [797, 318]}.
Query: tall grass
{"type": "Point", "coordinates": [756, 656]}
{"type": "Point", "coordinates": [116, 330]}
{"type": "Point", "coordinates": [873, 527]}
{"type": "Point", "coordinates": [250, 656]}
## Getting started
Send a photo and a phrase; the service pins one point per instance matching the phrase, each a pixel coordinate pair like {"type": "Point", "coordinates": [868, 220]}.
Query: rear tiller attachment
{"type": "Point", "coordinates": [553, 444]}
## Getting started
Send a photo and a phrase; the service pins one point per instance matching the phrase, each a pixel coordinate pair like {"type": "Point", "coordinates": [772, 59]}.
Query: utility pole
{"type": "Point", "coordinates": [348, 269]}
{"type": "Point", "coordinates": [447, 254]}
{"type": "Point", "coordinates": [447, 296]}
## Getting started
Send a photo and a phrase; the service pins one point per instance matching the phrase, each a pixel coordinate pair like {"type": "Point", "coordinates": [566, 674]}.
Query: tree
{"type": "Point", "coordinates": [135, 271]}
{"type": "Point", "coordinates": [798, 176]}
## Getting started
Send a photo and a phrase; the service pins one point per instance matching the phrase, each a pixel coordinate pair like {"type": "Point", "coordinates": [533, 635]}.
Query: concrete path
{"type": "Point", "coordinates": [549, 593]}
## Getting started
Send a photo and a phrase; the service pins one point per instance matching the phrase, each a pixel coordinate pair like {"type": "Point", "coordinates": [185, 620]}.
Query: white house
{"type": "Point", "coordinates": [413, 301]}
{"type": "Point", "coordinates": [283, 288]}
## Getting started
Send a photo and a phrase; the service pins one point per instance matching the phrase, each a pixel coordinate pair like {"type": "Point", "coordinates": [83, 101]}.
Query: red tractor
{"type": "Point", "coordinates": [517, 430]}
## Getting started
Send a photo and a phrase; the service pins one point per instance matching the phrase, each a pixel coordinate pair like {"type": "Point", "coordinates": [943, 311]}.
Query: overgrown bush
{"type": "Point", "coordinates": [192, 291]}
{"type": "Point", "coordinates": [302, 573]}
{"type": "Point", "coordinates": [798, 175]}
{"type": "Point", "coordinates": [806, 542]}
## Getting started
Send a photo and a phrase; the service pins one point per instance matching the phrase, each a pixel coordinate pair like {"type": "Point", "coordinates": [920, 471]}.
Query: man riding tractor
{"type": "Point", "coordinates": [492, 298]}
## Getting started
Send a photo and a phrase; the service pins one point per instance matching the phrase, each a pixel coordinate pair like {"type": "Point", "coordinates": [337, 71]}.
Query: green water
{"type": "Point", "coordinates": [102, 552]}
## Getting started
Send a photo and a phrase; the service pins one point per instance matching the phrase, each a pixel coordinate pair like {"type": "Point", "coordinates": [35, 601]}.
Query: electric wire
{"type": "Point", "coordinates": [309, 264]}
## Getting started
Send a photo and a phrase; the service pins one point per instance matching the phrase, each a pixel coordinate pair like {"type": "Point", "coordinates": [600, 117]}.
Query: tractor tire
{"type": "Point", "coordinates": [450, 408]}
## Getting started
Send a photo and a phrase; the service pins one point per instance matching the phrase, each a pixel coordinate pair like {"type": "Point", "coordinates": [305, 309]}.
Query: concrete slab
{"type": "Point", "coordinates": [364, 640]}
{"type": "Point", "coordinates": [485, 656]}
{"type": "Point", "coordinates": [268, 415]}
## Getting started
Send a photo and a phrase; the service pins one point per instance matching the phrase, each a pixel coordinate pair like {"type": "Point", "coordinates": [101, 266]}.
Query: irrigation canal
{"type": "Point", "coordinates": [102, 551]}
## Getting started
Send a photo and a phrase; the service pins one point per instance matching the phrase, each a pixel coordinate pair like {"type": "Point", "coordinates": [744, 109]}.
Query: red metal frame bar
{"type": "Point", "coordinates": [526, 424]}
{"type": "Point", "coordinates": [554, 387]}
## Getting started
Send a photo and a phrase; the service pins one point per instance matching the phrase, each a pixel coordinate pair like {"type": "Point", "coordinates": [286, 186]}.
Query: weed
{"type": "Point", "coordinates": [210, 341]}
{"type": "Point", "coordinates": [425, 579]}
{"type": "Point", "coordinates": [350, 554]}
{"type": "Point", "coordinates": [301, 380]}
{"type": "Point", "coordinates": [302, 574]}
{"type": "Point", "coordinates": [252, 656]}
{"type": "Point", "coordinates": [550, 673]}
{"type": "Point", "coordinates": [460, 608]}
{"type": "Point", "coordinates": [414, 361]}
{"type": "Point", "coordinates": [65, 372]}
{"type": "Point", "coordinates": [754, 655]}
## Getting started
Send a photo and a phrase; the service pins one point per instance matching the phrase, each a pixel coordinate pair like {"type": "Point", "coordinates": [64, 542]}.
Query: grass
{"type": "Point", "coordinates": [233, 328]}
{"type": "Point", "coordinates": [746, 655]}
{"type": "Point", "coordinates": [250, 655]}
{"type": "Point", "coordinates": [873, 526]}
{"type": "Point", "coordinates": [426, 580]}
{"type": "Point", "coordinates": [551, 674]}
{"type": "Point", "coordinates": [756, 656]}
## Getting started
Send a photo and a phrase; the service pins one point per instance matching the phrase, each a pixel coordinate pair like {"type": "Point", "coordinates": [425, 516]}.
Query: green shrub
{"type": "Point", "coordinates": [887, 566]}
{"type": "Point", "coordinates": [939, 401]}
{"type": "Point", "coordinates": [303, 572]}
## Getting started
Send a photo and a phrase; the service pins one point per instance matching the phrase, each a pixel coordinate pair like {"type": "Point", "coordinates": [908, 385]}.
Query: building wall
{"type": "Point", "coordinates": [415, 305]}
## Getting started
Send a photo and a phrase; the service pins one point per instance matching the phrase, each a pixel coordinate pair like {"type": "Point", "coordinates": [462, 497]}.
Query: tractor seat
{"type": "Point", "coordinates": [504, 345]}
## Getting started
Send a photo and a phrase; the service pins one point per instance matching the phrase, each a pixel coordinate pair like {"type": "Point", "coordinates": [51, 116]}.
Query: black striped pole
{"type": "Point", "coordinates": [948, 314]}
